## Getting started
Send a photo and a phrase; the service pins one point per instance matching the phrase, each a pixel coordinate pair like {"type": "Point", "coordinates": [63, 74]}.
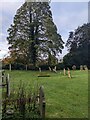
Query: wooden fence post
{"type": "Point", "coordinates": [7, 86]}
{"type": "Point", "coordinates": [42, 103]}
{"type": "Point", "coordinates": [3, 75]}
{"type": "Point", "coordinates": [64, 71]}
{"type": "Point", "coordinates": [50, 69]}
{"type": "Point", "coordinates": [40, 69]}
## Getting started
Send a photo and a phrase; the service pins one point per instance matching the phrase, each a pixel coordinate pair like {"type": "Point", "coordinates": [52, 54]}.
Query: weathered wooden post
{"type": "Point", "coordinates": [42, 103]}
{"type": "Point", "coordinates": [26, 67]}
{"type": "Point", "coordinates": [7, 86]}
{"type": "Point", "coordinates": [0, 93]}
{"type": "Point", "coordinates": [39, 69]}
{"type": "Point", "coordinates": [50, 69]}
{"type": "Point", "coordinates": [64, 71]}
{"type": "Point", "coordinates": [10, 66]}
{"type": "Point", "coordinates": [3, 75]}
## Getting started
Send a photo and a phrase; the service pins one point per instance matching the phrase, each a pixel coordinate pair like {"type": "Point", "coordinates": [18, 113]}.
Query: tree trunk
{"type": "Point", "coordinates": [10, 67]}
{"type": "Point", "coordinates": [26, 67]}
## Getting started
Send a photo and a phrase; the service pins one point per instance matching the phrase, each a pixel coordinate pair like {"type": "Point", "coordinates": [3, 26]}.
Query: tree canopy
{"type": "Point", "coordinates": [78, 45]}
{"type": "Point", "coordinates": [33, 35]}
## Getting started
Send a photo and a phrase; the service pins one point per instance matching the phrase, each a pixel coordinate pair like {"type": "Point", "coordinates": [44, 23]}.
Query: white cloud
{"type": "Point", "coordinates": [71, 20]}
{"type": "Point", "coordinates": [3, 38]}
{"type": "Point", "coordinates": [12, 1]}
{"type": "Point", "coordinates": [3, 49]}
{"type": "Point", "coordinates": [3, 45]}
{"type": "Point", "coordinates": [67, 19]}
{"type": "Point", "coordinates": [69, 0]}
{"type": "Point", "coordinates": [10, 7]}
{"type": "Point", "coordinates": [7, 12]}
{"type": "Point", "coordinates": [2, 35]}
{"type": "Point", "coordinates": [46, 0]}
{"type": "Point", "coordinates": [3, 54]}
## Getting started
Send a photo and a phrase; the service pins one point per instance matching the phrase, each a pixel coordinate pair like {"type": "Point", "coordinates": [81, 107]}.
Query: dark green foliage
{"type": "Point", "coordinates": [15, 66]}
{"type": "Point", "coordinates": [78, 45]}
{"type": "Point", "coordinates": [60, 66]}
{"type": "Point", "coordinates": [33, 35]}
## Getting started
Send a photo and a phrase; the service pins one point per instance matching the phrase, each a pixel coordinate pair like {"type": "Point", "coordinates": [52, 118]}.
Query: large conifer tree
{"type": "Point", "coordinates": [78, 45]}
{"type": "Point", "coordinates": [33, 34]}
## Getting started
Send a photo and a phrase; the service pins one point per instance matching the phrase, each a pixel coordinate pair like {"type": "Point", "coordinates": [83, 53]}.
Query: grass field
{"type": "Point", "coordinates": [65, 98]}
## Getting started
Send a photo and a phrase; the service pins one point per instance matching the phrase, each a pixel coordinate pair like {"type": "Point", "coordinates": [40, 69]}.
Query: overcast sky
{"type": "Point", "coordinates": [66, 15]}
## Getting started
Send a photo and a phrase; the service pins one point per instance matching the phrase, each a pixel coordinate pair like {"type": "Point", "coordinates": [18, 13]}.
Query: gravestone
{"type": "Point", "coordinates": [81, 67]}
{"type": "Point", "coordinates": [74, 67]}
{"type": "Point", "coordinates": [69, 73]}
{"type": "Point", "coordinates": [85, 67]}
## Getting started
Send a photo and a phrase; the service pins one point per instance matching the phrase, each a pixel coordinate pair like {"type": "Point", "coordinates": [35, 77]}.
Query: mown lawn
{"type": "Point", "coordinates": [65, 97]}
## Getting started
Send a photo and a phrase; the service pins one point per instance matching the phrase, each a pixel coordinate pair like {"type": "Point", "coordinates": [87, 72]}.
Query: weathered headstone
{"type": "Point", "coordinates": [69, 73]}
{"type": "Point", "coordinates": [85, 67]}
{"type": "Point", "coordinates": [74, 67]}
{"type": "Point", "coordinates": [81, 67]}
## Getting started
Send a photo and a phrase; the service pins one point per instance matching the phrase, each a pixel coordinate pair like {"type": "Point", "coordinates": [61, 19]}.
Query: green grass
{"type": "Point", "coordinates": [65, 97]}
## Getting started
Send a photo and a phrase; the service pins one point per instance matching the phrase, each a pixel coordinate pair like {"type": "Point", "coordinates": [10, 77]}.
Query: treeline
{"type": "Point", "coordinates": [59, 66]}
{"type": "Point", "coordinates": [20, 66]}
{"type": "Point", "coordinates": [34, 41]}
{"type": "Point", "coordinates": [78, 45]}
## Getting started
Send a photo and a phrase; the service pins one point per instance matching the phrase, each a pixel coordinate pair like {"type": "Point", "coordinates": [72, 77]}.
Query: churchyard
{"type": "Point", "coordinates": [65, 97]}
{"type": "Point", "coordinates": [43, 74]}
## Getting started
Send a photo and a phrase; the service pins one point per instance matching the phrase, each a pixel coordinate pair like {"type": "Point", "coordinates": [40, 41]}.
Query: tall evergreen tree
{"type": "Point", "coordinates": [78, 45]}
{"type": "Point", "coordinates": [33, 34]}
